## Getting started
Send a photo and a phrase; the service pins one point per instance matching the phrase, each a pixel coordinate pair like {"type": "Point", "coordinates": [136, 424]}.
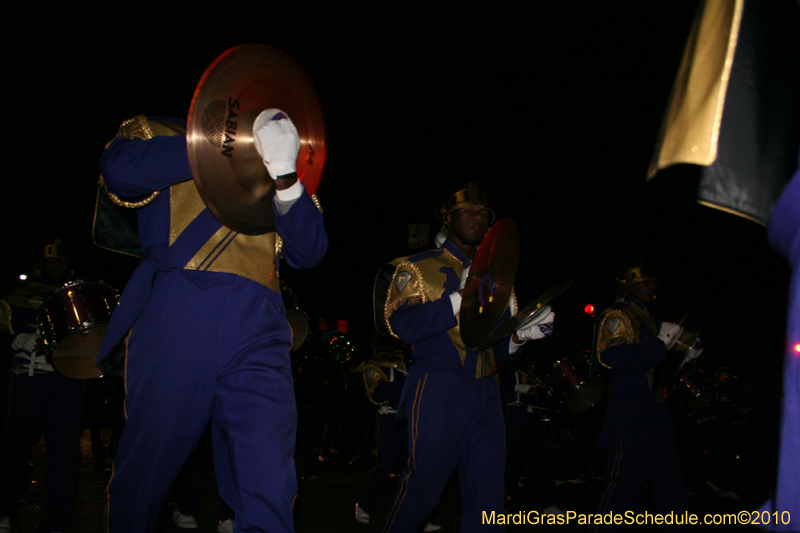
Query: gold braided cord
{"type": "Point", "coordinates": [122, 203]}
{"type": "Point", "coordinates": [316, 202]}
{"type": "Point", "coordinates": [133, 128]}
{"type": "Point", "coordinates": [411, 266]}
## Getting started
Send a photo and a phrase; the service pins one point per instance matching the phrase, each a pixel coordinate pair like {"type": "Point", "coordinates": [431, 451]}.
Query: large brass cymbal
{"type": "Point", "coordinates": [490, 282]}
{"type": "Point", "coordinates": [528, 315]}
{"type": "Point", "coordinates": [227, 169]}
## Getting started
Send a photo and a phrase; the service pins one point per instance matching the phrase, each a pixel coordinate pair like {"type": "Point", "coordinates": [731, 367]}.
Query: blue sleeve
{"type": "Point", "coordinates": [134, 168]}
{"type": "Point", "coordinates": [642, 356]}
{"type": "Point", "coordinates": [413, 323]}
{"type": "Point", "coordinates": [302, 229]}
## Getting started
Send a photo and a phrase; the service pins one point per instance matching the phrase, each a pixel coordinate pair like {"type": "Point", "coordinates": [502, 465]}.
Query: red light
{"type": "Point", "coordinates": [797, 347]}
{"type": "Point", "coordinates": [589, 309]}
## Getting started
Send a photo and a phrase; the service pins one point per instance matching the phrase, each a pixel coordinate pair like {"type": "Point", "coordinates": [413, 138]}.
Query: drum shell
{"type": "Point", "coordinates": [569, 381]}
{"type": "Point", "coordinates": [72, 322]}
{"type": "Point", "coordinates": [692, 391]}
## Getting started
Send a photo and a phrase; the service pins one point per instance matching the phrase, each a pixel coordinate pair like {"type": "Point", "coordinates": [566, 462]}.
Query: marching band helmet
{"type": "Point", "coordinates": [634, 273]}
{"type": "Point", "coordinates": [465, 198]}
{"type": "Point", "coordinates": [54, 264]}
{"type": "Point", "coordinates": [55, 250]}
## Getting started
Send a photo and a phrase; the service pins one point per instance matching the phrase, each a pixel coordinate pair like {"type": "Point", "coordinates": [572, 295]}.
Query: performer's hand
{"type": "Point", "coordinates": [277, 141]}
{"type": "Point", "coordinates": [26, 341]}
{"type": "Point", "coordinates": [695, 352]}
{"type": "Point", "coordinates": [542, 327]}
{"type": "Point", "coordinates": [669, 334]}
{"type": "Point", "coordinates": [523, 388]}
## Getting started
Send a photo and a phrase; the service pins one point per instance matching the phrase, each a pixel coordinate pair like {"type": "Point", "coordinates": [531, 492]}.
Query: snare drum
{"type": "Point", "coordinates": [73, 321]}
{"type": "Point", "coordinates": [569, 381]}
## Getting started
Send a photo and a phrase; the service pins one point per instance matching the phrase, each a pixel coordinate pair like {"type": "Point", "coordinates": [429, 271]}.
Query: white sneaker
{"type": "Point", "coordinates": [362, 517]}
{"type": "Point", "coordinates": [226, 526]}
{"type": "Point", "coordinates": [183, 521]}
{"type": "Point", "coordinates": [554, 509]}
{"type": "Point", "coordinates": [431, 527]}
{"type": "Point", "coordinates": [5, 524]}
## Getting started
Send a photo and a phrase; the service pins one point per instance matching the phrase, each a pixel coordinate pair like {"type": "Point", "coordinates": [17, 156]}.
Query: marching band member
{"type": "Point", "coordinates": [450, 395]}
{"type": "Point", "coordinates": [208, 335]}
{"type": "Point", "coordinates": [629, 343]}
{"type": "Point", "coordinates": [41, 402]}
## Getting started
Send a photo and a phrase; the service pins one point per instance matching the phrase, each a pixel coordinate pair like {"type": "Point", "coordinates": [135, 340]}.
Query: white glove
{"type": "Point", "coordinates": [277, 141]}
{"type": "Point", "coordinates": [26, 341]}
{"type": "Point", "coordinates": [523, 388]}
{"type": "Point", "coordinates": [542, 327]}
{"type": "Point", "coordinates": [695, 352]}
{"type": "Point", "coordinates": [669, 334]}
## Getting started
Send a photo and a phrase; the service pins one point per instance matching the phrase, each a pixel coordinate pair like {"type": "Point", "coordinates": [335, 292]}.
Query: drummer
{"type": "Point", "coordinates": [629, 343]}
{"type": "Point", "coordinates": [41, 402]}
{"type": "Point", "coordinates": [450, 395]}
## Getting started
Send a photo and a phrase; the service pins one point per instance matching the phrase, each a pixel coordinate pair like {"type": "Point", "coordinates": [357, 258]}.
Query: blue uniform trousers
{"type": "Point", "coordinates": [646, 452]}
{"type": "Point", "coordinates": [218, 352]}
{"type": "Point", "coordinates": [527, 437]}
{"type": "Point", "coordinates": [49, 405]}
{"type": "Point", "coordinates": [392, 439]}
{"type": "Point", "coordinates": [453, 423]}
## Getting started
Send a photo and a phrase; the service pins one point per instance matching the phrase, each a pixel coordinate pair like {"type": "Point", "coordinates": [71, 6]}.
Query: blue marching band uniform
{"type": "Point", "coordinates": [42, 403]}
{"type": "Point", "coordinates": [526, 437]}
{"type": "Point", "coordinates": [450, 397]}
{"type": "Point", "coordinates": [637, 430]}
{"type": "Point", "coordinates": [208, 339]}
{"type": "Point", "coordinates": [384, 375]}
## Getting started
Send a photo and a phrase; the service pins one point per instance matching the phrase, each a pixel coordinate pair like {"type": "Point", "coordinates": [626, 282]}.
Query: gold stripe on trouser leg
{"type": "Point", "coordinates": [412, 459]}
{"type": "Point", "coordinates": [613, 484]}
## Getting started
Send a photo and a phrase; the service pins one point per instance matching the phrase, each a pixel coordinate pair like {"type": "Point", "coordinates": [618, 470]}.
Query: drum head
{"type": "Point", "coordinates": [585, 397]}
{"type": "Point", "coordinates": [299, 324]}
{"type": "Point", "coordinates": [76, 354]}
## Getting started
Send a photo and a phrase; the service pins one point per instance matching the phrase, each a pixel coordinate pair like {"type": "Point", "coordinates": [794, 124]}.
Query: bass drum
{"type": "Point", "coordinates": [73, 321]}
{"type": "Point", "coordinates": [319, 385]}
{"type": "Point", "coordinates": [569, 382]}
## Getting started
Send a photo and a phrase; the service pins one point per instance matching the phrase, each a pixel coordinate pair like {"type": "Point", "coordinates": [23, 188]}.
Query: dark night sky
{"type": "Point", "coordinates": [552, 107]}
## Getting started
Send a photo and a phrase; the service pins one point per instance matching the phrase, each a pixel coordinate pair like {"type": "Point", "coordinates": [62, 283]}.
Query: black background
{"type": "Point", "coordinates": [553, 108]}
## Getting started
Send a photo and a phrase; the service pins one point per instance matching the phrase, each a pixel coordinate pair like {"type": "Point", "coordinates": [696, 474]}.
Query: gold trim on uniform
{"type": "Point", "coordinates": [139, 127]}
{"type": "Point", "coordinates": [620, 326]}
{"type": "Point", "coordinates": [5, 318]}
{"type": "Point", "coordinates": [373, 372]}
{"type": "Point", "coordinates": [316, 202]}
{"type": "Point", "coordinates": [185, 204]}
{"type": "Point", "coordinates": [251, 256]}
{"type": "Point", "coordinates": [425, 283]}
{"type": "Point", "coordinates": [415, 285]}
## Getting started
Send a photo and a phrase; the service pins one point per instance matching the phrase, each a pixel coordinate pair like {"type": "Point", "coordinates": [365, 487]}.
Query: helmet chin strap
{"type": "Point", "coordinates": [441, 237]}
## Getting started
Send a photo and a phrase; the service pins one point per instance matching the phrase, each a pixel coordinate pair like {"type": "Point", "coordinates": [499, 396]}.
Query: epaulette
{"type": "Point", "coordinates": [614, 327]}
{"type": "Point", "coordinates": [374, 372]}
{"type": "Point", "coordinates": [407, 286]}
